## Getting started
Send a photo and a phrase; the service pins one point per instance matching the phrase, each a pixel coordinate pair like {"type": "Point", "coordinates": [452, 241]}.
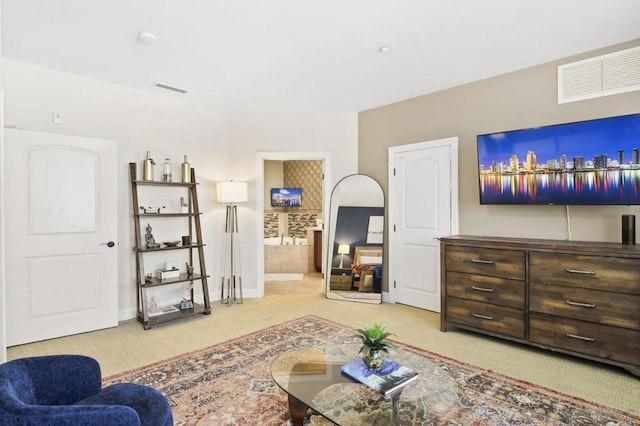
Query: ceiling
{"type": "Point", "coordinates": [307, 55]}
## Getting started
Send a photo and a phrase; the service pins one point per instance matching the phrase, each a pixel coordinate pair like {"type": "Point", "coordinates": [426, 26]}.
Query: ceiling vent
{"type": "Point", "coordinates": [604, 75]}
{"type": "Point", "coordinates": [173, 89]}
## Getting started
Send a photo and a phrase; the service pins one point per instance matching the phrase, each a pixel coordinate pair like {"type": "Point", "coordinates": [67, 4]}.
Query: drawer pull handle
{"type": "Point", "coordinates": [584, 305]}
{"type": "Point", "coordinates": [580, 271]}
{"type": "Point", "coordinates": [485, 262]}
{"type": "Point", "coordinates": [575, 336]}
{"type": "Point", "coordinates": [487, 317]}
{"type": "Point", "coordinates": [488, 290]}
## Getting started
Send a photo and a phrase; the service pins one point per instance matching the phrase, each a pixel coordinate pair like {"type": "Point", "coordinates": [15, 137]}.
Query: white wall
{"type": "Point", "coordinates": [3, 352]}
{"type": "Point", "coordinates": [221, 145]}
{"type": "Point", "coordinates": [3, 337]}
{"type": "Point", "coordinates": [249, 133]}
{"type": "Point", "coordinates": [140, 121]}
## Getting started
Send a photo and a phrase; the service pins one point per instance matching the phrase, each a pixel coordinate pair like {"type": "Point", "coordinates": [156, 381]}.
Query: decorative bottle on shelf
{"type": "Point", "coordinates": [185, 170]}
{"type": "Point", "coordinates": [147, 167]}
{"type": "Point", "coordinates": [167, 168]}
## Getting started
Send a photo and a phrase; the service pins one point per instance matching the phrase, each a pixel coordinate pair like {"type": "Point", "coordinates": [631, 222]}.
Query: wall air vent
{"type": "Point", "coordinates": [617, 72]}
{"type": "Point", "coordinates": [173, 89]}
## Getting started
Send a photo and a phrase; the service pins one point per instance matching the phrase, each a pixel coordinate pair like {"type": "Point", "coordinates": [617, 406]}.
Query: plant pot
{"type": "Point", "coordinates": [373, 360]}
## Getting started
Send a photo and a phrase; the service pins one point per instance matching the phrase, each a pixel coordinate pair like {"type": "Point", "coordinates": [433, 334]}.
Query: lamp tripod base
{"type": "Point", "coordinates": [233, 286]}
{"type": "Point", "coordinates": [232, 282]}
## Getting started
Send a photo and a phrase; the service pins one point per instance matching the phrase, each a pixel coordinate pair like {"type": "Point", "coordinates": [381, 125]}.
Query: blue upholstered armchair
{"type": "Point", "coordinates": [67, 390]}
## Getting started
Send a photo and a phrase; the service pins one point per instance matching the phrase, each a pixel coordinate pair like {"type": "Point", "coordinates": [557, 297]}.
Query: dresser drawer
{"type": "Point", "coordinates": [486, 261]}
{"type": "Point", "coordinates": [622, 310]}
{"type": "Point", "coordinates": [618, 344]}
{"type": "Point", "coordinates": [482, 288]}
{"type": "Point", "coordinates": [493, 318]}
{"type": "Point", "coordinates": [595, 272]}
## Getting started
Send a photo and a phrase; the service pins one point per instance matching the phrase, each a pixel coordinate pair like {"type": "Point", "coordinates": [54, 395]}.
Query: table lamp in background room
{"type": "Point", "coordinates": [342, 250]}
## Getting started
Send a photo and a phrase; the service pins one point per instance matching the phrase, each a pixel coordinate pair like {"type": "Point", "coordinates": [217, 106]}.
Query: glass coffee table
{"type": "Point", "coordinates": [312, 379]}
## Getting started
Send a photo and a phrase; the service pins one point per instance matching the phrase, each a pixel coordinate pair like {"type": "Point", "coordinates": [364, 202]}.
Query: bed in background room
{"type": "Point", "coordinates": [365, 261]}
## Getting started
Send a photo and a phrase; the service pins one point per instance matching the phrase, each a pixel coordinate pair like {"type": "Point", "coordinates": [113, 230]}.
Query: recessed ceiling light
{"type": "Point", "coordinates": [383, 49]}
{"type": "Point", "coordinates": [146, 37]}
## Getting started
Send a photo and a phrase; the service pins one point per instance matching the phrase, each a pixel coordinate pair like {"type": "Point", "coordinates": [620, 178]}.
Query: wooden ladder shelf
{"type": "Point", "coordinates": [148, 313]}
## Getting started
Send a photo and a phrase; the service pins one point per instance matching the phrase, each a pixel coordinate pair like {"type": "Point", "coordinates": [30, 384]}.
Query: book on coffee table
{"type": "Point", "coordinates": [389, 379]}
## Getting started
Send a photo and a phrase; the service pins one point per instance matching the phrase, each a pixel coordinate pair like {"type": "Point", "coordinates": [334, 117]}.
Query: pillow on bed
{"type": "Point", "coordinates": [369, 252]}
{"type": "Point", "coordinates": [370, 259]}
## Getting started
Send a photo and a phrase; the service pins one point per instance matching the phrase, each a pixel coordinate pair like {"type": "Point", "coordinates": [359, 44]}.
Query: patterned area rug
{"type": "Point", "coordinates": [230, 384]}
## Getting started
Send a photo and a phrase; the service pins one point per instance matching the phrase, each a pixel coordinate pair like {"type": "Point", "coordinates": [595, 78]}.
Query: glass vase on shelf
{"type": "Point", "coordinates": [167, 169]}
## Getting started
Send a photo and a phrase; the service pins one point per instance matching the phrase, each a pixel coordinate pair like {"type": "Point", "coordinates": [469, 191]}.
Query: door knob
{"type": "Point", "coordinates": [108, 244]}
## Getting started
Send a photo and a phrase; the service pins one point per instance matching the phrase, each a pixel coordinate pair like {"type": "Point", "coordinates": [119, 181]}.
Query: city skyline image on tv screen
{"type": "Point", "coordinates": [286, 197]}
{"type": "Point", "coordinates": [588, 162]}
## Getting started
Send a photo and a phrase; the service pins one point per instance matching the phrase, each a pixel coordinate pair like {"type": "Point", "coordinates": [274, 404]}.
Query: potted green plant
{"type": "Point", "coordinates": [189, 269]}
{"type": "Point", "coordinates": [374, 344]}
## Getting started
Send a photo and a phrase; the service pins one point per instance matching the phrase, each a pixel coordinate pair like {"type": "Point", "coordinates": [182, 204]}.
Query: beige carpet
{"type": "Point", "coordinates": [129, 346]}
{"type": "Point", "coordinates": [311, 283]}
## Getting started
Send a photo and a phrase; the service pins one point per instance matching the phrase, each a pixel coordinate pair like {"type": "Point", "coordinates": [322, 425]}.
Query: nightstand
{"type": "Point", "coordinates": [340, 279]}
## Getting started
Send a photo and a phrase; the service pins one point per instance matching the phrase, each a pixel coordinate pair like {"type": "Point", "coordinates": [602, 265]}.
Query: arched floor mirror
{"type": "Point", "coordinates": [356, 237]}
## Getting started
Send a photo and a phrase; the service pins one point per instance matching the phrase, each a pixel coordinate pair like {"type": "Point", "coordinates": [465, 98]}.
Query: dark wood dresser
{"type": "Point", "coordinates": [578, 298]}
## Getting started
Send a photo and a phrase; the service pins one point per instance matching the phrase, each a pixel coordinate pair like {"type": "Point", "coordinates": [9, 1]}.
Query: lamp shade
{"type": "Point", "coordinates": [231, 192]}
{"type": "Point", "coordinates": [343, 249]}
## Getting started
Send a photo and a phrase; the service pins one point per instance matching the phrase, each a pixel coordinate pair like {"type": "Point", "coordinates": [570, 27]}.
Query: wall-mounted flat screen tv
{"type": "Point", "coordinates": [286, 197]}
{"type": "Point", "coordinates": [587, 162]}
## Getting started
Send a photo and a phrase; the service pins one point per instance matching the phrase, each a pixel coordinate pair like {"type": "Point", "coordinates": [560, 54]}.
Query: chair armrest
{"type": "Point", "coordinates": [59, 379]}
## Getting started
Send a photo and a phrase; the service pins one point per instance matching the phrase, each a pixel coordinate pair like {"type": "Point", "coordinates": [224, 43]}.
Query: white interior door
{"type": "Point", "coordinates": [61, 270]}
{"type": "Point", "coordinates": [423, 201]}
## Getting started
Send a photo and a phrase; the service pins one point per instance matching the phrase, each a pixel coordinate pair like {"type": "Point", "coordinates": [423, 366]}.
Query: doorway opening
{"type": "Point", "coordinates": [291, 197]}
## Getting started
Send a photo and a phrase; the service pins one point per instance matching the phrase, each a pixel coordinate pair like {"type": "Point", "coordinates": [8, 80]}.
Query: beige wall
{"type": "Point", "coordinates": [273, 178]}
{"type": "Point", "coordinates": [520, 99]}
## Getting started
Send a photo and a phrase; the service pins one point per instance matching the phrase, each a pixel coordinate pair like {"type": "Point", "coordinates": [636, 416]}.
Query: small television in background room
{"type": "Point", "coordinates": [286, 197]}
{"type": "Point", "coordinates": [594, 162]}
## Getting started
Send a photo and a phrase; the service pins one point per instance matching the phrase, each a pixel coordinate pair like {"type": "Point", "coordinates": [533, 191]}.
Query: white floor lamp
{"type": "Point", "coordinates": [231, 192]}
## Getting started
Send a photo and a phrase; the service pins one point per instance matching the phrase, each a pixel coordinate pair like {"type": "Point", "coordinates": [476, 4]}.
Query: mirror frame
{"type": "Point", "coordinates": [331, 229]}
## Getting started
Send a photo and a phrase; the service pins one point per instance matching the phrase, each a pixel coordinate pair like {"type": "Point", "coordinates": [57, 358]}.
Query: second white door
{"type": "Point", "coordinates": [423, 207]}
{"type": "Point", "coordinates": [61, 225]}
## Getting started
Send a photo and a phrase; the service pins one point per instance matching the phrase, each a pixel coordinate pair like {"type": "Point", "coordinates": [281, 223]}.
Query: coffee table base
{"type": "Point", "coordinates": [298, 409]}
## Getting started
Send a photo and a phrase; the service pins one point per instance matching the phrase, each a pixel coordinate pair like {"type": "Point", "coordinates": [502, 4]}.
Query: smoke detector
{"type": "Point", "coordinates": [145, 37]}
